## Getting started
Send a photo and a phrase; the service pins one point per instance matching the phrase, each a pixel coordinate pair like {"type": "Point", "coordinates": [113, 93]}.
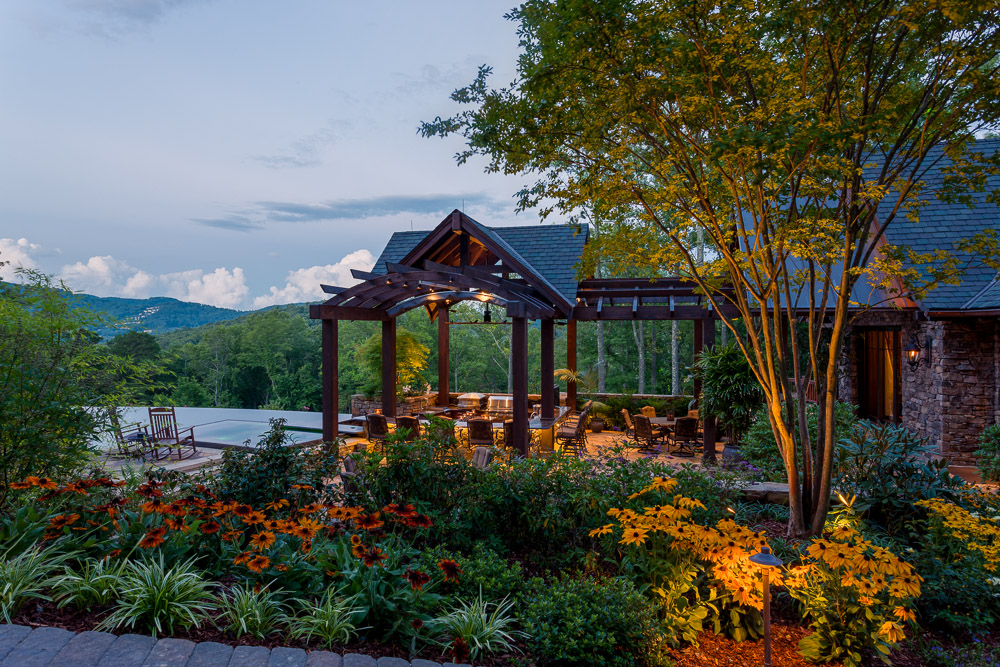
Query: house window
{"type": "Point", "coordinates": [879, 355]}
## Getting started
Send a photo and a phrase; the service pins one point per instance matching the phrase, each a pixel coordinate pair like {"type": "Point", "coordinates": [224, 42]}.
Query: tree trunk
{"type": "Point", "coordinates": [602, 371]}
{"type": "Point", "coordinates": [675, 362]}
{"type": "Point", "coordinates": [652, 358]}
{"type": "Point", "coordinates": [640, 345]}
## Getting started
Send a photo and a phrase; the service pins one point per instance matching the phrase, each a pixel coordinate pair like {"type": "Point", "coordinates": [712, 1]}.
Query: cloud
{"type": "Point", "coordinates": [107, 276]}
{"type": "Point", "coordinates": [16, 255]}
{"type": "Point", "coordinates": [222, 288]}
{"type": "Point", "coordinates": [110, 18]}
{"type": "Point", "coordinates": [307, 151]}
{"type": "Point", "coordinates": [304, 284]}
{"type": "Point", "coordinates": [355, 209]}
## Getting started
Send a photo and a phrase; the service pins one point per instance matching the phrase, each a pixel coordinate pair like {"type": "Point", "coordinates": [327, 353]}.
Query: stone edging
{"type": "Point", "coordinates": [21, 646]}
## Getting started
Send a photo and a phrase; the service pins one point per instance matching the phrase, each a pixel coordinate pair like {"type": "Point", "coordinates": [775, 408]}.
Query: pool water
{"type": "Point", "coordinates": [229, 432]}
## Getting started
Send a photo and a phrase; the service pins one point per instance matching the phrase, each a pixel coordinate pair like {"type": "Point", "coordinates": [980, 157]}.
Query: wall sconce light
{"type": "Point", "coordinates": [913, 350]}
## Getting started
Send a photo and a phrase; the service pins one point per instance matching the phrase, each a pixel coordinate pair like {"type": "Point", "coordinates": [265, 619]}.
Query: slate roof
{"type": "Point", "coordinates": [552, 250]}
{"type": "Point", "coordinates": [941, 225]}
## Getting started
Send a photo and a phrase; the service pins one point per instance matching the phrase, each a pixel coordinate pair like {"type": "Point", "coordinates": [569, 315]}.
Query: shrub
{"type": "Point", "coordinates": [585, 621]}
{"type": "Point", "coordinates": [889, 470]}
{"type": "Point", "coordinates": [760, 449]}
{"type": "Point", "coordinates": [729, 389]}
{"type": "Point", "coordinates": [158, 599]}
{"type": "Point", "coordinates": [331, 621]}
{"type": "Point", "coordinates": [245, 611]}
{"type": "Point", "coordinates": [483, 571]}
{"type": "Point", "coordinates": [989, 453]}
{"type": "Point", "coordinates": [473, 627]}
{"type": "Point", "coordinates": [269, 472]}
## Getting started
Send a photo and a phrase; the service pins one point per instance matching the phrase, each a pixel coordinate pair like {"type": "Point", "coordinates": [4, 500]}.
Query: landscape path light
{"type": "Point", "coordinates": [766, 560]}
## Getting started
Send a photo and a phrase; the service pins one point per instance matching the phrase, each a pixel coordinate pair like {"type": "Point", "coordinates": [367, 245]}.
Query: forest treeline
{"type": "Point", "coordinates": [271, 359]}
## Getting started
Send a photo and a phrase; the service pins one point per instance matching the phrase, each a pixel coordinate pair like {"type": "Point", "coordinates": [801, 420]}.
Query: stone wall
{"type": "Point", "coordinates": [410, 405]}
{"type": "Point", "coordinates": [954, 393]}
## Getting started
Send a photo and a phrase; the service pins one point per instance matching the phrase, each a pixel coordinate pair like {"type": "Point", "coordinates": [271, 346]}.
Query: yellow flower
{"type": "Point", "coordinates": [633, 536]}
{"type": "Point", "coordinates": [866, 601]}
{"type": "Point", "coordinates": [818, 549]}
{"type": "Point", "coordinates": [892, 631]}
{"type": "Point", "coordinates": [836, 556]}
{"type": "Point", "coordinates": [603, 530]}
{"type": "Point", "coordinates": [904, 614]}
{"type": "Point", "coordinates": [908, 586]}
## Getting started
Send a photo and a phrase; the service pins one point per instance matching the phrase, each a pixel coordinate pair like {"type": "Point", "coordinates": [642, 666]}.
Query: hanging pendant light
{"type": "Point", "coordinates": [487, 316]}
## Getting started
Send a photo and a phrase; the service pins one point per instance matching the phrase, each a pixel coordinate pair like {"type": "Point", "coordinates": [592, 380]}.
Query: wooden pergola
{"type": "Point", "coordinates": [463, 260]}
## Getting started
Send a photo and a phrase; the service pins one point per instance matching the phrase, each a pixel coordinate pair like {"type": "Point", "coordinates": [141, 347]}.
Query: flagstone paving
{"type": "Point", "coordinates": [21, 646]}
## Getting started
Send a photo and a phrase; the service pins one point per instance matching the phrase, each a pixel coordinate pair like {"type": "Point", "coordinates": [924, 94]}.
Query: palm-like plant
{"type": "Point", "coordinates": [729, 389]}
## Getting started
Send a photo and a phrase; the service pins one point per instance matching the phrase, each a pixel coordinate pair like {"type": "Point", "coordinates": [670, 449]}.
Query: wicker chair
{"type": "Point", "coordinates": [378, 429]}
{"type": "Point", "coordinates": [685, 437]}
{"type": "Point", "coordinates": [648, 435]}
{"type": "Point", "coordinates": [409, 424]}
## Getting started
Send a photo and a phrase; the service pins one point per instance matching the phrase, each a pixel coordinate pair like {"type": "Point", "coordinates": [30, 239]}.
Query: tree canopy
{"type": "Point", "coordinates": [773, 129]}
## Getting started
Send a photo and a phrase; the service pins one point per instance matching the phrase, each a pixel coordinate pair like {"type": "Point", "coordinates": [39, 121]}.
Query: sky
{"type": "Point", "coordinates": [236, 153]}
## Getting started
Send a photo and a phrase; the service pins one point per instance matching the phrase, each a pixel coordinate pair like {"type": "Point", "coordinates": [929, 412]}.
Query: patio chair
{"type": "Point", "coordinates": [629, 426]}
{"type": "Point", "coordinates": [481, 457]}
{"type": "Point", "coordinates": [693, 413]}
{"type": "Point", "coordinates": [349, 476]}
{"type": "Point", "coordinates": [572, 435]}
{"type": "Point", "coordinates": [480, 433]}
{"type": "Point", "coordinates": [163, 432]}
{"type": "Point", "coordinates": [377, 429]}
{"type": "Point", "coordinates": [685, 437]}
{"type": "Point", "coordinates": [132, 439]}
{"type": "Point", "coordinates": [648, 411]}
{"type": "Point", "coordinates": [646, 434]}
{"type": "Point", "coordinates": [409, 424]}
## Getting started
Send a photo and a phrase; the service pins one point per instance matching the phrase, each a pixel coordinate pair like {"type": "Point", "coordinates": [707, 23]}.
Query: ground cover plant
{"type": "Point", "coordinates": [549, 561]}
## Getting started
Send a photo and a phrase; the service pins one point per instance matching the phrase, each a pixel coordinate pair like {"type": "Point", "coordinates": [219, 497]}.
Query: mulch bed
{"type": "Point", "coordinates": [718, 651]}
{"type": "Point", "coordinates": [39, 614]}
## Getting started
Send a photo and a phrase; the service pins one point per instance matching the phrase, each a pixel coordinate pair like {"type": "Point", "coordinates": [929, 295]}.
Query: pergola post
{"type": "Point", "coordinates": [389, 367]}
{"type": "Point", "coordinates": [444, 396]}
{"type": "Point", "coordinates": [519, 362]}
{"type": "Point", "coordinates": [710, 430]}
{"type": "Point", "coordinates": [548, 366]}
{"type": "Point", "coordinates": [331, 406]}
{"type": "Point", "coordinates": [571, 363]}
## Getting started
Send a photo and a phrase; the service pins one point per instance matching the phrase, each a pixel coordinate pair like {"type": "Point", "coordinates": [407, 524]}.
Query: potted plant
{"type": "Point", "coordinates": [729, 391]}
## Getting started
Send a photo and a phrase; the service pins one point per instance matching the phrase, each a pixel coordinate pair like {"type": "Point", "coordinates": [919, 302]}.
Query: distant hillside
{"type": "Point", "coordinates": [155, 315]}
{"type": "Point", "coordinates": [194, 334]}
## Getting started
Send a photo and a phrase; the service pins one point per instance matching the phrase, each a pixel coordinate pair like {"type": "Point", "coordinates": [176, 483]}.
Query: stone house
{"type": "Point", "coordinates": [932, 364]}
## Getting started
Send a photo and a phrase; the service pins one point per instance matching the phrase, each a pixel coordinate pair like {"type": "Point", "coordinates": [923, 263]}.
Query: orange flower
{"type": "Point", "coordinates": [155, 505]}
{"type": "Point", "coordinates": [259, 563]}
{"type": "Point", "coordinates": [253, 517]}
{"type": "Point", "coordinates": [20, 486]}
{"type": "Point", "coordinates": [113, 553]}
{"type": "Point", "coordinates": [277, 504]}
{"type": "Point", "coordinates": [242, 510]}
{"type": "Point", "coordinates": [369, 522]}
{"type": "Point", "coordinates": [232, 535]}
{"type": "Point", "coordinates": [210, 527]}
{"type": "Point", "coordinates": [374, 556]}
{"type": "Point", "coordinates": [47, 483]}
{"type": "Point", "coordinates": [176, 524]}
{"type": "Point", "coordinates": [62, 520]}
{"type": "Point", "coordinates": [274, 525]}
{"type": "Point", "coordinates": [243, 558]}
{"type": "Point", "coordinates": [281, 568]}
{"type": "Point", "coordinates": [153, 538]}
{"type": "Point", "coordinates": [416, 578]}
{"type": "Point", "coordinates": [311, 508]}
{"type": "Point", "coordinates": [419, 521]}
{"type": "Point", "coordinates": [403, 511]}
{"type": "Point", "coordinates": [355, 540]}
{"type": "Point", "coordinates": [302, 487]}
{"type": "Point", "coordinates": [175, 508]}
{"type": "Point", "coordinates": [450, 568]}
{"type": "Point", "coordinates": [226, 507]}
{"type": "Point", "coordinates": [262, 540]}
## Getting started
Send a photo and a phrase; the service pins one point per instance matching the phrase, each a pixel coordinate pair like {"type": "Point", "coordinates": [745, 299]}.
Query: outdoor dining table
{"type": "Point", "coordinates": [667, 422]}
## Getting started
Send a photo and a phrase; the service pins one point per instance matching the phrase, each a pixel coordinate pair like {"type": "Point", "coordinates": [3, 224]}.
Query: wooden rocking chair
{"type": "Point", "coordinates": [163, 432]}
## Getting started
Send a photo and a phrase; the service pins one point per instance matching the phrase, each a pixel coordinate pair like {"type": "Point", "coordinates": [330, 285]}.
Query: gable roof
{"type": "Point", "coordinates": [552, 251]}
{"type": "Point", "coordinates": [940, 225]}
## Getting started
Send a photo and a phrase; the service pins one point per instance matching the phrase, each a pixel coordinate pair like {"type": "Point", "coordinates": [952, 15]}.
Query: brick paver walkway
{"type": "Point", "coordinates": [21, 646]}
